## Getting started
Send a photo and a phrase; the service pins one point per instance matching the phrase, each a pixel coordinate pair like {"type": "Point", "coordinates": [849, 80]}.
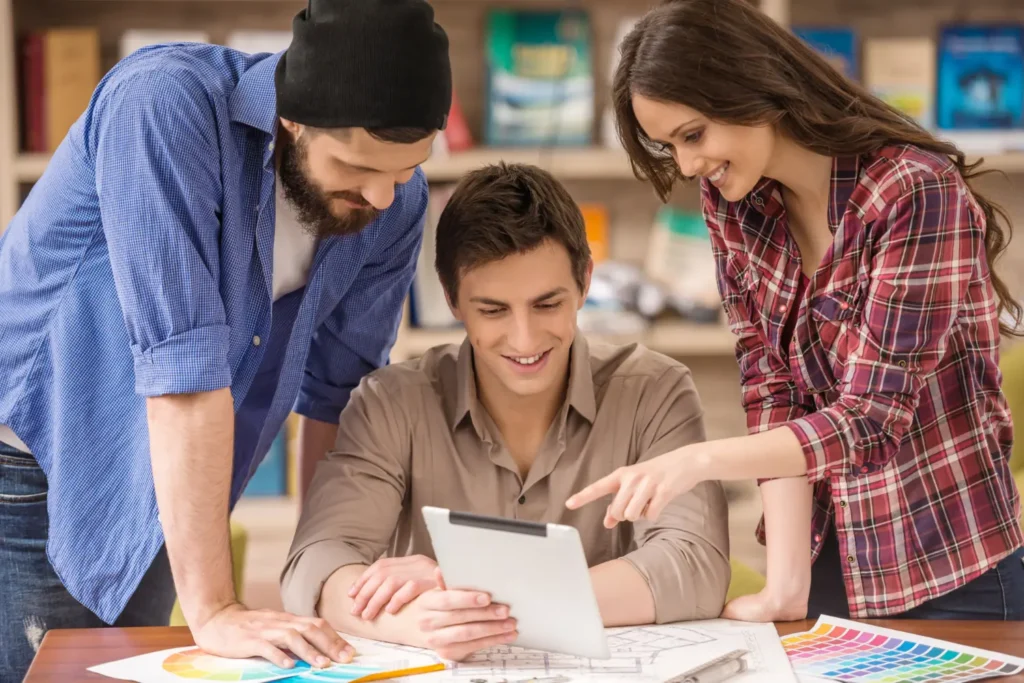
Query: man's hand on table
{"type": "Point", "coordinates": [237, 632]}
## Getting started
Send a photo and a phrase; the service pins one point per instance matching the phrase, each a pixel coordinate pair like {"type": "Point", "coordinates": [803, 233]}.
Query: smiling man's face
{"type": "Point", "coordinates": [520, 317]}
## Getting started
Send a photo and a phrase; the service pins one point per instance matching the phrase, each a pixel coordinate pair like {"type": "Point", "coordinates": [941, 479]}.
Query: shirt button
{"type": "Point", "coordinates": [522, 499]}
{"type": "Point", "coordinates": [864, 469]}
{"type": "Point", "coordinates": [256, 340]}
{"type": "Point", "coordinates": [758, 200]}
{"type": "Point", "coordinates": [781, 308]}
{"type": "Point", "coordinates": [270, 147]}
{"type": "Point", "coordinates": [844, 305]}
{"type": "Point", "coordinates": [817, 538]}
{"type": "Point", "coordinates": [902, 364]}
{"type": "Point", "coordinates": [842, 503]}
{"type": "Point", "coordinates": [827, 474]}
{"type": "Point", "coordinates": [850, 559]}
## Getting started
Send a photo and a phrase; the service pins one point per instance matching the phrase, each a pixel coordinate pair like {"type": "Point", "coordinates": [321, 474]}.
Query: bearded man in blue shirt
{"type": "Point", "coordinates": [221, 239]}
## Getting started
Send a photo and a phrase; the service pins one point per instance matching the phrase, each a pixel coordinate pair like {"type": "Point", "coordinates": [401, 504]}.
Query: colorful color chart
{"type": "Point", "coordinates": [195, 665]}
{"type": "Point", "coordinates": [843, 650]}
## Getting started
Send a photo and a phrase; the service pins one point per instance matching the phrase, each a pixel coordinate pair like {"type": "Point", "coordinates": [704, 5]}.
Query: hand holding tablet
{"type": "Point", "coordinates": [538, 570]}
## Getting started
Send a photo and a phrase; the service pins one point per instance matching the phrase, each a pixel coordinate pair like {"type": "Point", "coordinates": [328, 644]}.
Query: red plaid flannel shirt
{"type": "Point", "coordinates": [890, 381]}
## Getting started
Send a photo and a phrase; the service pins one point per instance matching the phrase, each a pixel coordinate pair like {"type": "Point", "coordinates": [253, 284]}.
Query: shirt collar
{"type": "Point", "coordinates": [580, 394]}
{"type": "Point", "coordinates": [254, 99]}
{"type": "Point", "coordinates": [766, 197]}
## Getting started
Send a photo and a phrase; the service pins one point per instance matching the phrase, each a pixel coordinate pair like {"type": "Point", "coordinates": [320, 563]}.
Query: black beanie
{"type": "Point", "coordinates": [366, 64]}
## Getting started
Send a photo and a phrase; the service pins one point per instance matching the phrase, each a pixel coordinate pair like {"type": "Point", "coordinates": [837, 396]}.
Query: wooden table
{"type": "Point", "coordinates": [66, 654]}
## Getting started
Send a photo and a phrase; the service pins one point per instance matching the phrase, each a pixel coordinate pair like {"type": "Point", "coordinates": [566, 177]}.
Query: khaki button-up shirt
{"type": "Point", "coordinates": [415, 434]}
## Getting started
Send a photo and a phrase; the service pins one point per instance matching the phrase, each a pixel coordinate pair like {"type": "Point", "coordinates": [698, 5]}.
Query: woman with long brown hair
{"type": "Point", "coordinates": [854, 259]}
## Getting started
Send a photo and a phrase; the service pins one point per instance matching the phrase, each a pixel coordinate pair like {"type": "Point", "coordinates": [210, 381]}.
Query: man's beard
{"type": "Point", "coordinates": [311, 205]}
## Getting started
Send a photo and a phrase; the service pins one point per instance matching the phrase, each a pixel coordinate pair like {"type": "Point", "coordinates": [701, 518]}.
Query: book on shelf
{"type": "Point", "coordinates": [981, 77]}
{"type": "Point", "coordinates": [540, 81]}
{"type": "Point", "coordinates": [456, 136]}
{"type": "Point", "coordinates": [837, 44]}
{"type": "Point", "coordinates": [680, 260]}
{"type": "Point", "coordinates": [135, 39]}
{"type": "Point", "coordinates": [595, 220]}
{"type": "Point", "coordinates": [271, 475]}
{"type": "Point", "coordinates": [60, 69]}
{"type": "Point", "coordinates": [901, 72]}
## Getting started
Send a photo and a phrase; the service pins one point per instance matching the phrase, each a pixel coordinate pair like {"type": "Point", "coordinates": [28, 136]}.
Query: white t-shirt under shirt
{"type": "Point", "coordinates": [294, 249]}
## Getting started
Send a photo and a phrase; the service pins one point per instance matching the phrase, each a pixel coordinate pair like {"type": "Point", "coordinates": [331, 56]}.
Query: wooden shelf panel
{"type": "Point", "coordinates": [593, 163]}
{"type": "Point", "coordinates": [583, 163]}
{"type": "Point", "coordinates": [28, 168]}
{"type": "Point", "coordinates": [670, 338]}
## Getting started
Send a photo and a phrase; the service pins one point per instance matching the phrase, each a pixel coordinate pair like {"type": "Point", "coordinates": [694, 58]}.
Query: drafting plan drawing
{"type": "Point", "coordinates": [641, 654]}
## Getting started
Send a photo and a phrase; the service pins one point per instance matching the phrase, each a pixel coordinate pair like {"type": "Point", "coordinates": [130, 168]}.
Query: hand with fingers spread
{"type": "Point", "coordinates": [237, 632]}
{"type": "Point", "coordinates": [457, 623]}
{"type": "Point", "coordinates": [391, 583]}
{"type": "Point", "coordinates": [643, 490]}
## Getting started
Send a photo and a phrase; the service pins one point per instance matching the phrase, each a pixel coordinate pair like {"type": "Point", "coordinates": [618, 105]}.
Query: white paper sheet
{"type": "Point", "coordinates": [640, 654]}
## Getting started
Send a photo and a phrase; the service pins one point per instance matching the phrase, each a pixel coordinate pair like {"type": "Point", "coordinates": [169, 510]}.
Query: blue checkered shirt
{"type": "Point", "coordinates": [140, 265]}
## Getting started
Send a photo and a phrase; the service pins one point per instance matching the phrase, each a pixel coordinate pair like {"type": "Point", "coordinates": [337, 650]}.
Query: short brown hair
{"type": "Point", "coordinates": [506, 209]}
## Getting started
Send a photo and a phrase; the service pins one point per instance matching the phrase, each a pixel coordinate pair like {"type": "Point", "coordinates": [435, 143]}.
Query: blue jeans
{"type": "Point", "coordinates": [33, 598]}
{"type": "Point", "coordinates": [998, 594]}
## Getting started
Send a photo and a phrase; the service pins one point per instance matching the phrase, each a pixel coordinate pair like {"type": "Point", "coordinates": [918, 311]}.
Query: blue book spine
{"type": "Point", "coordinates": [981, 77]}
{"type": "Point", "coordinates": [270, 477]}
{"type": "Point", "coordinates": [838, 45]}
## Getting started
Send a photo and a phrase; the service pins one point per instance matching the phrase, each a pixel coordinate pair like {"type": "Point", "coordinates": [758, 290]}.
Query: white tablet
{"type": "Point", "coordinates": [538, 570]}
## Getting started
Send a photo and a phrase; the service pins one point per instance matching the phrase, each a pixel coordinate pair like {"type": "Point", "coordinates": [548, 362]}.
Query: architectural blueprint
{"type": "Point", "coordinates": [642, 654]}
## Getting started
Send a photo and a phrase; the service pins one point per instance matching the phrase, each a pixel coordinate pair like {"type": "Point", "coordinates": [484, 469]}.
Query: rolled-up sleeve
{"type": "Point", "coordinates": [358, 337]}
{"type": "Point", "coordinates": [928, 252]}
{"type": "Point", "coordinates": [157, 159]}
{"type": "Point", "coordinates": [684, 555]}
{"type": "Point", "coordinates": [355, 498]}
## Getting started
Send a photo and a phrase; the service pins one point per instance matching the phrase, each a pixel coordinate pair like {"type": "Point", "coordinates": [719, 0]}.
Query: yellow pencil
{"type": "Point", "coordinates": [401, 672]}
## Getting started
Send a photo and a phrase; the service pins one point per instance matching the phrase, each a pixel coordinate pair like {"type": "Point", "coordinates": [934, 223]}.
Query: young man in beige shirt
{"type": "Point", "coordinates": [510, 423]}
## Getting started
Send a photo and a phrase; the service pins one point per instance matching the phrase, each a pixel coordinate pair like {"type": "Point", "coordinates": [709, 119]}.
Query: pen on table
{"type": "Point", "coordinates": [717, 670]}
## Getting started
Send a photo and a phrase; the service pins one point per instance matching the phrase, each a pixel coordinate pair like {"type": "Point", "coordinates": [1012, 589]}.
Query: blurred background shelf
{"type": "Point", "coordinates": [583, 163]}
{"type": "Point", "coordinates": [594, 175]}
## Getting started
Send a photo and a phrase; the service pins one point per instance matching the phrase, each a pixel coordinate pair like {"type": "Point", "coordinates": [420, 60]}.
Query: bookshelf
{"type": "Point", "coordinates": [592, 173]}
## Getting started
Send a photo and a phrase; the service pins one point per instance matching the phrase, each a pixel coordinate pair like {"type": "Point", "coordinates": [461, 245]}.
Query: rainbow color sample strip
{"type": "Point", "coordinates": [374, 662]}
{"type": "Point", "coordinates": [196, 665]}
{"type": "Point", "coordinates": [841, 650]}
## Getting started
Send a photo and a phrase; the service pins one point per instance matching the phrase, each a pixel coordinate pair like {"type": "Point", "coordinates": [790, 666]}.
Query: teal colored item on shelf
{"type": "Point", "coordinates": [271, 477]}
{"type": "Point", "coordinates": [540, 80]}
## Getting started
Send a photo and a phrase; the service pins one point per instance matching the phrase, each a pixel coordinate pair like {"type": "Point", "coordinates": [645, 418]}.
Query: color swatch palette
{"type": "Point", "coordinates": [842, 650]}
{"type": "Point", "coordinates": [199, 666]}
{"type": "Point", "coordinates": [374, 662]}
